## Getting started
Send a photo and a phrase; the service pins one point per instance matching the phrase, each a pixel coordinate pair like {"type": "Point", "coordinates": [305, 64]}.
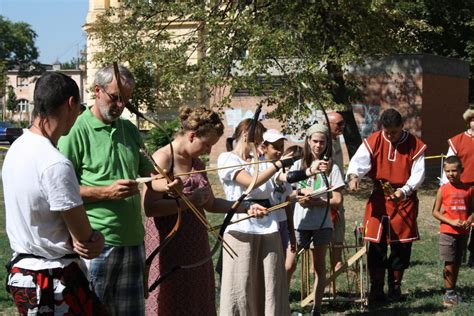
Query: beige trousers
{"type": "Point", "coordinates": [254, 283]}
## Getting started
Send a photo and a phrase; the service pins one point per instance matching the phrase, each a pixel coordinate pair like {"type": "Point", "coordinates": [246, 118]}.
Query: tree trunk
{"type": "Point", "coordinates": [351, 132]}
{"type": "Point", "coordinates": [340, 96]}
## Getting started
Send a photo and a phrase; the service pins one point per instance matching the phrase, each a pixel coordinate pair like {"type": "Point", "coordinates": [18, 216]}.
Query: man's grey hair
{"type": "Point", "coordinates": [106, 75]}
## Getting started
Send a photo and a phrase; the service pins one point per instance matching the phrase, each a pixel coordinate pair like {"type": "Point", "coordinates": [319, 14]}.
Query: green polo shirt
{"type": "Point", "coordinates": [102, 154]}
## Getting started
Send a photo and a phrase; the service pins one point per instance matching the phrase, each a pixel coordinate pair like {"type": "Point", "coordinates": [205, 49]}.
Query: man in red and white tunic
{"type": "Point", "coordinates": [462, 146]}
{"type": "Point", "coordinates": [394, 160]}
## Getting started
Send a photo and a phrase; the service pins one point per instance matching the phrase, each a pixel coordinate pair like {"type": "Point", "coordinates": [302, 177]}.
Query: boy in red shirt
{"type": "Point", "coordinates": [453, 208]}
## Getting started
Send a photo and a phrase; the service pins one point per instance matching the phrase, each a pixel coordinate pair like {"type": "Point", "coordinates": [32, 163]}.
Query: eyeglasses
{"type": "Point", "coordinates": [114, 98]}
{"type": "Point", "coordinates": [340, 123]}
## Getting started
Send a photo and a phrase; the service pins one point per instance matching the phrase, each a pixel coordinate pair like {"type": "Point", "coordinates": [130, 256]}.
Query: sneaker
{"type": "Point", "coordinates": [394, 294]}
{"type": "Point", "coordinates": [376, 297]}
{"type": "Point", "coordinates": [451, 300]}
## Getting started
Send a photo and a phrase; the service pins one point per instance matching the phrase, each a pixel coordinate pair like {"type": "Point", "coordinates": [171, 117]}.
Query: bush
{"type": "Point", "coordinates": [156, 138]}
{"type": "Point", "coordinates": [205, 159]}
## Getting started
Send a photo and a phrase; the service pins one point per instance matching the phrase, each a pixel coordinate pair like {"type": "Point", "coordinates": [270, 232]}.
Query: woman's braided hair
{"type": "Point", "coordinates": [200, 120]}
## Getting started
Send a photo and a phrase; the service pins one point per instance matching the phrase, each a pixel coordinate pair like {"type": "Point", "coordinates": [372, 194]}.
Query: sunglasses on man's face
{"type": "Point", "coordinates": [340, 123]}
{"type": "Point", "coordinates": [113, 97]}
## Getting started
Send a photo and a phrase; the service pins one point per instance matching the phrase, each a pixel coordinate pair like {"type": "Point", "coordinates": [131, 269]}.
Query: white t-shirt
{"type": "Point", "coordinates": [233, 191]}
{"type": "Point", "coordinates": [311, 218]}
{"type": "Point", "coordinates": [38, 183]}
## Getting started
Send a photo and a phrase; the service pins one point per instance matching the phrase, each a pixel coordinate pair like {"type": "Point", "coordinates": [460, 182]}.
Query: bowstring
{"type": "Point", "coordinates": [326, 156]}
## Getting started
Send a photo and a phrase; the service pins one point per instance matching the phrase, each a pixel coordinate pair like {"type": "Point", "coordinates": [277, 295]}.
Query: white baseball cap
{"type": "Point", "coordinates": [272, 135]}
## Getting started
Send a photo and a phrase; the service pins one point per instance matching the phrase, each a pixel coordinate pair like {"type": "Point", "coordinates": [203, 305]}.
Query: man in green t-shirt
{"type": "Point", "coordinates": [104, 150]}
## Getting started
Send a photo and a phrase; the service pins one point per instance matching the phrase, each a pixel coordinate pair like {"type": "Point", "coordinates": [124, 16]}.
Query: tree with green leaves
{"type": "Point", "coordinates": [186, 51]}
{"type": "Point", "coordinates": [451, 31]}
{"type": "Point", "coordinates": [74, 63]}
{"type": "Point", "coordinates": [17, 49]}
{"type": "Point", "coordinates": [12, 102]}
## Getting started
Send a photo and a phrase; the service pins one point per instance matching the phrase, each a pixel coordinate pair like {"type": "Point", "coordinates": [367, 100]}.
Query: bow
{"type": "Point", "coordinates": [253, 148]}
{"type": "Point", "coordinates": [175, 228]}
{"type": "Point", "coordinates": [230, 213]}
{"type": "Point", "coordinates": [148, 179]}
{"type": "Point", "coordinates": [326, 156]}
{"type": "Point", "coordinates": [280, 205]}
{"type": "Point", "coordinates": [168, 178]}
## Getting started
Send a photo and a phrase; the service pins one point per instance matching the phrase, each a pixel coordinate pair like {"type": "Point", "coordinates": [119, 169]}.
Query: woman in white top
{"type": "Point", "coordinates": [254, 283]}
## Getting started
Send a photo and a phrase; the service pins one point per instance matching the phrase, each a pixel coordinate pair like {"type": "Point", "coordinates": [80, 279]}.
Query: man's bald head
{"type": "Point", "coordinates": [337, 123]}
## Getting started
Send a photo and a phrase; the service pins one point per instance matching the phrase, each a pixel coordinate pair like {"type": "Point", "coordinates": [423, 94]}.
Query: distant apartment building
{"type": "Point", "coordinates": [24, 88]}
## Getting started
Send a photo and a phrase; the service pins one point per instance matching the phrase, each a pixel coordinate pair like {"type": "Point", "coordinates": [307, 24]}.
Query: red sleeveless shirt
{"type": "Point", "coordinates": [463, 146]}
{"type": "Point", "coordinates": [392, 163]}
{"type": "Point", "coordinates": [456, 203]}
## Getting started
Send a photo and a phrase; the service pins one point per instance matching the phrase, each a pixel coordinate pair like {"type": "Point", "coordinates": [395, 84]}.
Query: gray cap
{"type": "Point", "coordinates": [317, 128]}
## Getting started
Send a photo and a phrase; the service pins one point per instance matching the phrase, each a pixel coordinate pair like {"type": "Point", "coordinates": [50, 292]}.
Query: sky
{"type": "Point", "coordinates": [58, 24]}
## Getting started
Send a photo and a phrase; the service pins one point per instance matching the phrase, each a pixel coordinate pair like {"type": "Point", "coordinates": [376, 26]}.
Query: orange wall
{"type": "Point", "coordinates": [444, 101]}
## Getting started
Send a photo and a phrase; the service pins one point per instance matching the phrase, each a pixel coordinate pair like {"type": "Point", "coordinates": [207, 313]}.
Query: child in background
{"type": "Point", "coordinates": [453, 208]}
{"type": "Point", "coordinates": [272, 148]}
{"type": "Point", "coordinates": [254, 282]}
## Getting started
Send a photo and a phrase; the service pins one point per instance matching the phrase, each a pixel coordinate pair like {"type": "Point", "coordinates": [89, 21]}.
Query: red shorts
{"type": "Point", "coordinates": [63, 291]}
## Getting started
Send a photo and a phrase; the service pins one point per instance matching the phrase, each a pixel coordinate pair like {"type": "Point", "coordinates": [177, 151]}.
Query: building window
{"type": "Point", "coordinates": [21, 81]}
{"type": "Point", "coordinates": [23, 105]}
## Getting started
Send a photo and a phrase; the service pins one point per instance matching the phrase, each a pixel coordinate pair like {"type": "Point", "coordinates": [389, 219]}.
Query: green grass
{"type": "Point", "coordinates": [6, 303]}
{"type": "Point", "coordinates": [422, 283]}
